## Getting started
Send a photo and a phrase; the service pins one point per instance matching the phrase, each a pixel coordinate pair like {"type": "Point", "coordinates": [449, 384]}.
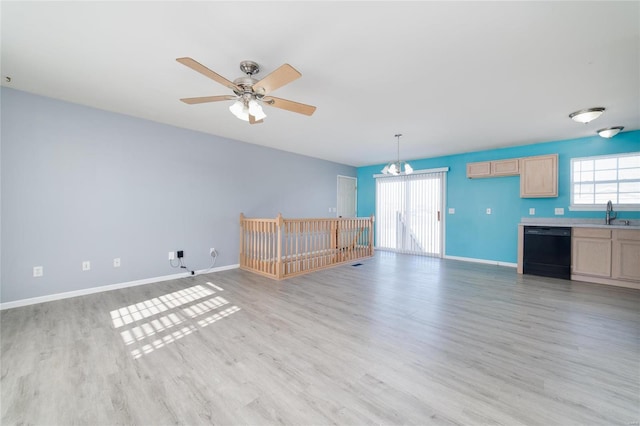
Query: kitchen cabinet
{"type": "Point", "coordinates": [626, 255]}
{"type": "Point", "coordinates": [479, 170]}
{"type": "Point", "coordinates": [509, 167]}
{"type": "Point", "coordinates": [591, 252]}
{"type": "Point", "coordinates": [606, 256]}
{"type": "Point", "coordinates": [539, 176]}
{"type": "Point", "coordinates": [497, 168]}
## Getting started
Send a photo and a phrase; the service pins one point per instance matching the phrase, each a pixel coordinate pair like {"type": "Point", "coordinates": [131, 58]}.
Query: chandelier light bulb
{"type": "Point", "coordinates": [408, 169]}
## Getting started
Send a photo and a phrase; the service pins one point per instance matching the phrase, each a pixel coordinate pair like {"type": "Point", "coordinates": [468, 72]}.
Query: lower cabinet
{"type": "Point", "coordinates": [606, 256]}
{"type": "Point", "coordinates": [626, 255]}
{"type": "Point", "coordinates": [591, 252]}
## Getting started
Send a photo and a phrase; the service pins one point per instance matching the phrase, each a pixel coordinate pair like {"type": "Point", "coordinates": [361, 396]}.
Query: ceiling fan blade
{"type": "Point", "coordinates": [197, 66]}
{"type": "Point", "coordinates": [289, 105]}
{"type": "Point", "coordinates": [205, 99]}
{"type": "Point", "coordinates": [278, 78]}
{"type": "Point", "coordinates": [252, 120]}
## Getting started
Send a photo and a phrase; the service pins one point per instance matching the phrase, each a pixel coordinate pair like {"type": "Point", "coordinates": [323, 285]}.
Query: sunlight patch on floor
{"type": "Point", "coordinates": [168, 317]}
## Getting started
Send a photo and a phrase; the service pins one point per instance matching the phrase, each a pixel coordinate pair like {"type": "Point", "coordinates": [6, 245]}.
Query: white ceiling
{"type": "Point", "coordinates": [451, 76]}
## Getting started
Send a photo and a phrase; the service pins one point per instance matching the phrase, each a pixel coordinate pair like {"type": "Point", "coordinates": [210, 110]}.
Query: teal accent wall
{"type": "Point", "coordinates": [470, 232]}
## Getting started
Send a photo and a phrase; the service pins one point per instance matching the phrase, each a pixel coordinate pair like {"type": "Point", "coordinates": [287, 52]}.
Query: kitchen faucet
{"type": "Point", "coordinates": [610, 215]}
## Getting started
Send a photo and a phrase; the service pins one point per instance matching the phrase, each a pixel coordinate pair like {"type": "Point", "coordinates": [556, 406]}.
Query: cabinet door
{"type": "Point", "coordinates": [591, 256]}
{"type": "Point", "coordinates": [510, 167]}
{"type": "Point", "coordinates": [539, 176]}
{"type": "Point", "coordinates": [479, 170]}
{"type": "Point", "coordinates": [626, 255]}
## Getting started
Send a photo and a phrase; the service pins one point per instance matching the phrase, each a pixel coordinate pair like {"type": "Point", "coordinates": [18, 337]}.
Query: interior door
{"type": "Point", "coordinates": [347, 189]}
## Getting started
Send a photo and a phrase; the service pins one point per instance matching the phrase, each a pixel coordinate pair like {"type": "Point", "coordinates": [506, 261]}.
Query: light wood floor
{"type": "Point", "coordinates": [398, 340]}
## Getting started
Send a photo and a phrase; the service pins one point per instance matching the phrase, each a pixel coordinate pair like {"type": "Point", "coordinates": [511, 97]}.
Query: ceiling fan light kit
{"type": "Point", "coordinates": [249, 93]}
{"type": "Point", "coordinates": [243, 109]}
{"type": "Point", "coordinates": [396, 167]}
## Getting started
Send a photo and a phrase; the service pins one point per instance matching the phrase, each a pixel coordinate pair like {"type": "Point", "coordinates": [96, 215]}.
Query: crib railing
{"type": "Point", "coordinates": [281, 248]}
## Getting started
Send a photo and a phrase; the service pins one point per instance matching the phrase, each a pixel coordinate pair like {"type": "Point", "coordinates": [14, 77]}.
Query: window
{"type": "Point", "coordinates": [596, 180]}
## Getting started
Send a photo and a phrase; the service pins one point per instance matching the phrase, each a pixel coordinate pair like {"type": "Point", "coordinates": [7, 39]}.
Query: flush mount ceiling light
{"type": "Point", "coordinates": [396, 167]}
{"type": "Point", "coordinates": [586, 115]}
{"type": "Point", "coordinates": [610, 132]}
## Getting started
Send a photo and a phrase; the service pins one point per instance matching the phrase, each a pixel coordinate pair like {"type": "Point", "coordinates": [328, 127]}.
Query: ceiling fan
{"type": "Point", "coordinates": [250, 93]}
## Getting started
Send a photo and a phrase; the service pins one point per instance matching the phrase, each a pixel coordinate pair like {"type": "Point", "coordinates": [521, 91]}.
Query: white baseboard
{"type": "Point", "coordinates": [486, 262]}
{"type": "Point", "coordinates": [463, 259]}
{"type": "Point", "coordinates": [93, 290]}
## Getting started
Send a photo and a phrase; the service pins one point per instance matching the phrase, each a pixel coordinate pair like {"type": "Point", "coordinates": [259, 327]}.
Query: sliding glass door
{"type": "Point", "coordinates": [409, 213]}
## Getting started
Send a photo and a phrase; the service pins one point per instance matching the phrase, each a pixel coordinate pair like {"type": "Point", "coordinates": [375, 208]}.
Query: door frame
{"type": "Point", "coordinates": [443, 208]}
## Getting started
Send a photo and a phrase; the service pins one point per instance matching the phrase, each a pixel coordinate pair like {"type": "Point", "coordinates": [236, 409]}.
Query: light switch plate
{"type": "Point", "coordinates": [86, 265]}
{"type": "Point", "coordinates": [116, 262]}
{"type": "Point", "coordinates": [559, 211]}
{"type": "Point", "coordinates": [488, 211]}
{"type": "Point", "coordinates": [532, 211]}
{"type": "Point", "coordinates": [38, 271]}
{"type": "Point", "coordinates": [452, 210]}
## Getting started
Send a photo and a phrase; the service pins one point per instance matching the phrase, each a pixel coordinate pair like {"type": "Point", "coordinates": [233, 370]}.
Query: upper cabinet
{"type": "Point", "coordinates": [539, 176]}
{"type": "Point", "coordinates": [479, 170]}
{"type": "Point", "coordinates": [509, 167]}
{"type": "Point", "coordinates": [483, 169]}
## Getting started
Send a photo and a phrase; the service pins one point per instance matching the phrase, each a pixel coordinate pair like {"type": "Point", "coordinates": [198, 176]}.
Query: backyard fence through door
{"type": "Point", "coordinates": [409, 212]}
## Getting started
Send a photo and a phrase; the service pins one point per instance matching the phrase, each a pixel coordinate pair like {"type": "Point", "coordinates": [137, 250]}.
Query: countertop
{"type": "Point", "coordinates": [579, 223]}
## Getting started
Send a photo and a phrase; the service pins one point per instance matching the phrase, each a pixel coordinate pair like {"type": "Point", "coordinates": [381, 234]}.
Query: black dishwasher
{"type": "Point", "coordinates": [547, 251]}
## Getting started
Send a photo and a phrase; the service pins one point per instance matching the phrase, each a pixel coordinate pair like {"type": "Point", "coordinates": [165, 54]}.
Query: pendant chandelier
{"type": "Point", "coordinates": [397, 167]}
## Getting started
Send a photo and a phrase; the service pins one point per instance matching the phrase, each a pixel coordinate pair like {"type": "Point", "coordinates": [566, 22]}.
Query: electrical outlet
{"type": "Point", "coordinates": [452, 210]}
{"type": "Point", "coordinates": [116, 262]}
{"type": "Point", "coordinates": [559, 211]}
{"type": "Point", "coordinates": [213, 252]}
{"type": "Point", "coordinates": [38, 271]}
{"type": "Point", "coordinates": [86, 265]}
{"type": "Point", "coordinates": [180, 254]}
{"type": "Point", "coordinates": [172, 255]}
{"type": "Point", "coordinates": [532, 211]}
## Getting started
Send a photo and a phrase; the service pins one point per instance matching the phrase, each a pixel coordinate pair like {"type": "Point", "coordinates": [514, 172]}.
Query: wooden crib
{"type": "Point", "coordinates": [281, 248]}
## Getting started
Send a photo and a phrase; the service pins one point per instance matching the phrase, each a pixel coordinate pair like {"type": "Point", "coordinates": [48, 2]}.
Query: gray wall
{"type": "Point", "coordinates": [85, 184]}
